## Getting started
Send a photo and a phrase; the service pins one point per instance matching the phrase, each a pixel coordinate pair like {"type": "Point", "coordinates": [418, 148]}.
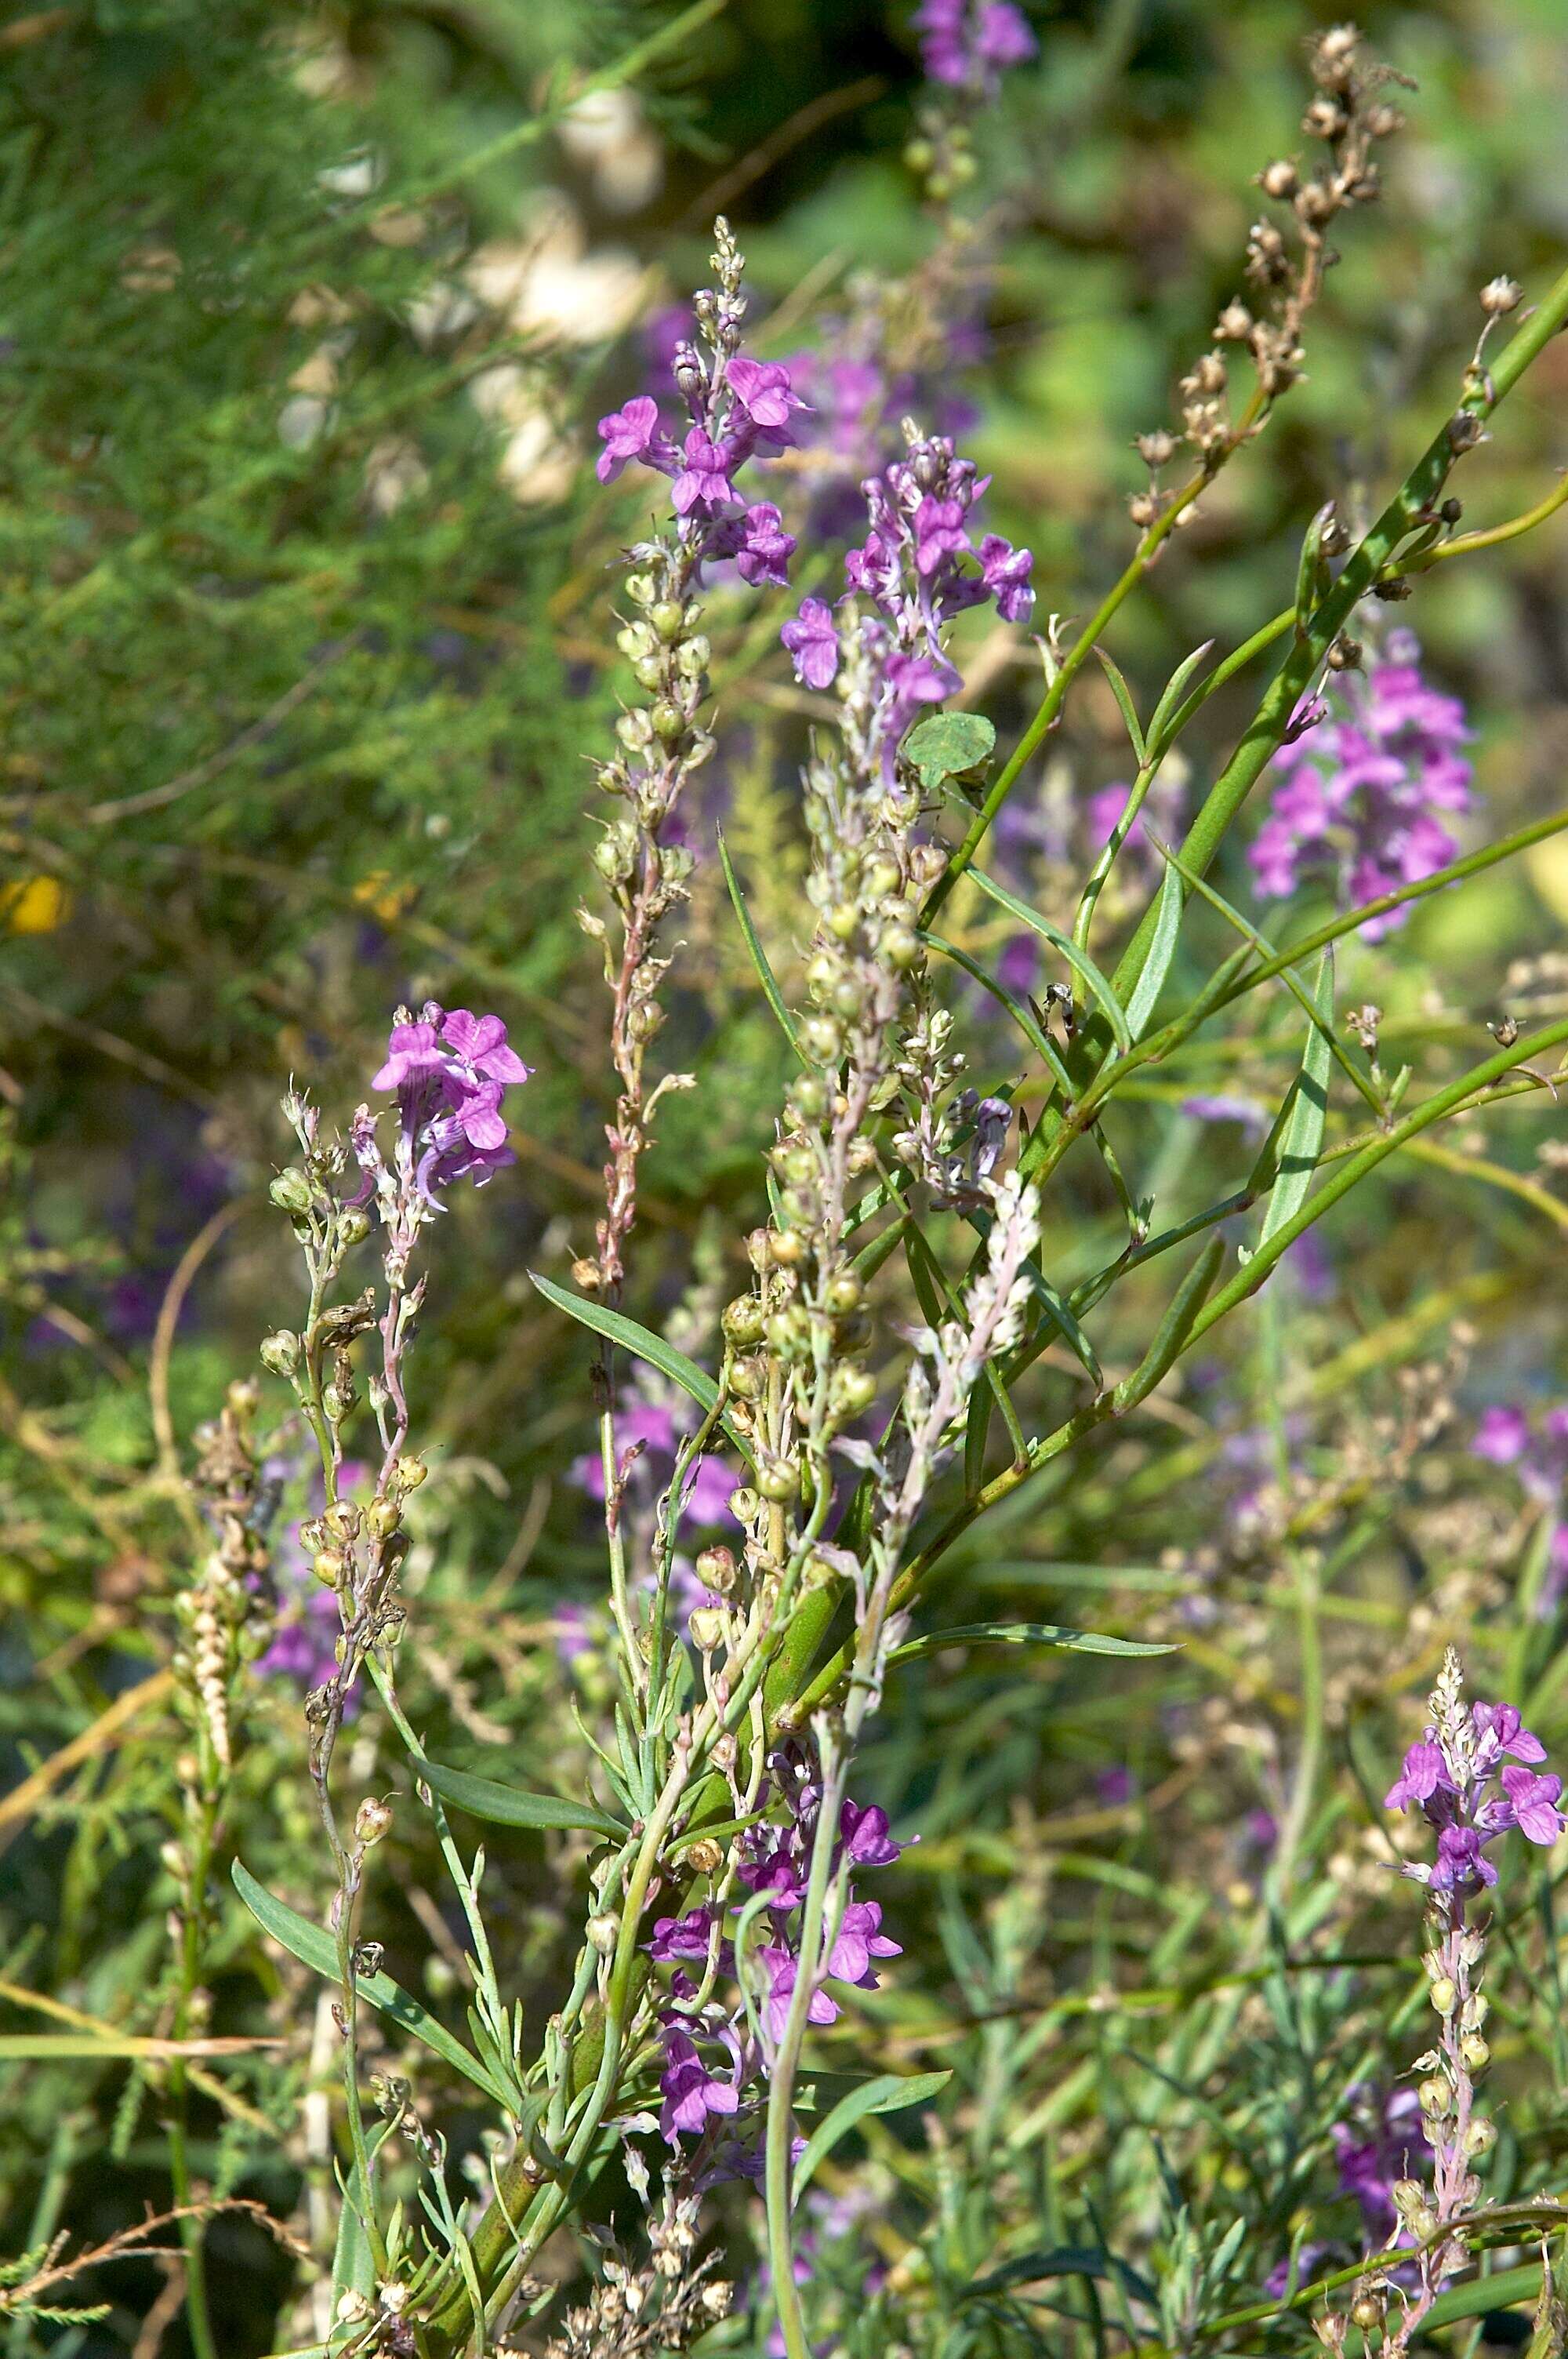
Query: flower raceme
{"type": "Point", "coordinates": [918, 567]}
{"type": "Point", "coordinates": [967, 43]}
{"type": "Point", "coordinates": [450, 1070]}
{"type": "Point", "coordinates": [1472, 1784]}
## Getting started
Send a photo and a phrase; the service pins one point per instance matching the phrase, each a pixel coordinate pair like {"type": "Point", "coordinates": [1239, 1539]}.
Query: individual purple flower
{"type": "Point", "coordinates": [1005, 572]}
{"type": "Point", "coordinates": [1461, 1861]}
{"type": "Point", "coordinates": [692, 2092]}
{"type": "Point", "coordinates": [703, 482]}
{"type": "Point", "coordinates": [1534, 1803]}
{"type": "Point", "coordinates": [858, 1939]}
{"type": "Point", "coordinates": [779, 1869]}
{"type": "Point", "coordinates": [782, 1968]}
{"type": "Point", "coordinates": [1359, 794]}
{"type": "Point", "coordinates": [479, 1046]}
{"type": "Point", "coordinates": [627, 434]}
{"type": "Point", "coordinates": [1423, 1772]}
{"type": "Point", "coordinates": [764, 392]}
{"type": "Point", "coordinates": [939, 532]}
{"type": "Point", "coordinates": [688, 1939]}
{"type": "Point", "coordinates": [412, 1053]}
{"type": "Point", "coordinates": [813, 642]}
{"type": "Point", "coordinates": [865, 1836]}
{"type": "Point", "coordinates": [765, 548]}
{"type": "Point", "coordinates": [1498, 1730]}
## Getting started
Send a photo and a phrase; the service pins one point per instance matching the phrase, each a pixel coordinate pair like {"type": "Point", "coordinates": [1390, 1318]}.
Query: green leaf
{"type": "Point", "coordinates": [765, 975]}
{"type": "Point", "coordinates": [354, 2266]}
{"type": "Point", "coordinates": [949, 745]}
{"type": "Point", "coordinates": [1056, 1311]}
{"type": "Point", "coordinates": [1080, 958]}
{"type": "Point", "coordinates": [1165, 711]}
{"type": "Point", "coordinates": [1302, 1140]}
{"type": "Point", "coordinates": [618, 1328]}
{"type": "Point", "coordinates": [889, 2093]}
{"type": "Point", "coordinates": [314, 1948]}
{"type": "Point", "coordinates": [1026, 1633]}
{"type": "Point", "coordinates": [1162, 950]}
{"type": "Point", "coordinates": [1311, 571]}
{"type": "Point", "coordinates": [513, 1805]}
{"type": "Point", "coordinates": [1123, 696]}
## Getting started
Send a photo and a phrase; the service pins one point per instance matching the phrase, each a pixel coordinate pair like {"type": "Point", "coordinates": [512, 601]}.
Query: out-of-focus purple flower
{"type": "Point", "coordinates": [1248, 1113]}
{"type": "Point", "coordinates": [1115, 1786]}
{"type": "Point", "coordinates": [573, 1631]}
{"type": "Point", "coordinates": [1502, 1436]}
{"type": "Point", "coordinates": [1005, 572]}
{"type": "Point", "coordinates": [1387, 2140]}
{"type": "Point", "coordinates": [1359, 794]}
{"type": "Point", "coordinates": [967, 43]}
{"type": "Point", "coordinates": [650, 1427]}
{"type": "Point", "coordinates": [813, 641]}
{"type": "Point", "coordinates": [303, 1647]}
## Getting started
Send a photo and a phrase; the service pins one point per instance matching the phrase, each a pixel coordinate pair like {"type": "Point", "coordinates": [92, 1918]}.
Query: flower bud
{"type": "Point", "coordinates": [292, 1193]}
{"type": "Point", "coordinates": [649, 671]}
{"type": "Point", "coordinates": [843, 1294]}
{"type": "Point", "coordinates": [787, 1247]}
{"type": "Point", "coordinates": [707, 1626]}
{"type": "Point", "coordinates": [822, 1040]}
{"type": "Point", "coordinates": [745, 1379]}
{"type": "Point", "coordinates": [854, 1389]}
{"type": "Point", "coordinates": [1499, 297]}
{"type": "Point", "coordinates": [384, 1517]}
{"type": "Point", "coordinates": [899, 945]}
{"type": "Point", "coordinates": [602, 1933]}
{"type": "Point", "coordinates": [1279, 179]}
{"type": "Point", "coordinates": [669, 722]}
{"type": "Point", "coordinates": [280, 1353]}
{"type": "Point", "coordinates": [641, 588]}
{"type": "Point", "coordinates": [1367, 2311]}
{"type": "Point", "coordinates": [372, 1819]}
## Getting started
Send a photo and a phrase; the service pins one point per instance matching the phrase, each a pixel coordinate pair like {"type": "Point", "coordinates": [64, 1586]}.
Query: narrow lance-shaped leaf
{"type": "Point", "coordinates": [889, 2093]}
{"type": "Point", "coordinates": [1145, 994]}
{"type": "Point", "coordinates": [759, 959]}
{"type": "Point", "coordinates": [314, 1948]}
{"type": "Point", "coordinates": [643, 1345]}
{"type": "Point", "coordinates": [1302, 1140]}
{"type": "Point", "coordinates": [514, 1806]}
{"type": "Point", "coordinates": [1123, 696]}
{"type": "Point", "coordinates": [1026, 1633]}
{"type": "Point", "coordinates": [1078, 959]}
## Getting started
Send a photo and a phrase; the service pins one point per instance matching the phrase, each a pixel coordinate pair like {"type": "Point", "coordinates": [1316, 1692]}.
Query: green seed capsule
{"type": "Point", "coordinates": [292, 1193]}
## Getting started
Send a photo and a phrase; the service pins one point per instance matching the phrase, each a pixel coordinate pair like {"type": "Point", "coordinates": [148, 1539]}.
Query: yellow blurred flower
{"type": "Point", "coordinates": [382, 897]}
{"type": "Point", "coordinates": [36, 905]}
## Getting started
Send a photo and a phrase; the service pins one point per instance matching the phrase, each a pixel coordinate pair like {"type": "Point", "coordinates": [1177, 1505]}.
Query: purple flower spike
{"type": "Point", "coordinates": [451, 1072]}
{"type": "Point", "coordinates": [813, 642]}
{"type": "Point", "coordinates": [627, 434]}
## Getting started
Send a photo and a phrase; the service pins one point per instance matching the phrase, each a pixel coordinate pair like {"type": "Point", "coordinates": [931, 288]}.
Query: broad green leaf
{"type": "Point", "coordinates": [1162, 950]}
{"type": "Point", "coordinates": [513, 1805]}
{"type": "Point", "coordinates": [1301, 1142]}
{"type": "Point", "coordinates": [948, 745]}
{"type": "Point", "coordinates": [314, 1948]}
{"type": "Point", "coordinates": [889, 2093]}
{"type": "Point", "coordinates": [643, 1345]}
{"type": "Point", "coordinates": [765, 975]}
{"type": "Point", "coordinates": [1026, 1633]}
{"type": "Point", "coordinates": [1080, 958]}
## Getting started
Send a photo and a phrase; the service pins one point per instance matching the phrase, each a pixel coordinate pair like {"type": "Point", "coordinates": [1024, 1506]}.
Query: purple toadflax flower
{"type": "Point", "coordinates": [917, 567]}
{"type": "Point", "coordinates": [737, 410]}
{"type": "Point", "coordinates": [450, 1070]}
{"type": "Point", "coordinates": [1470, 1775]}
{"type": "Point", "coordinates": [1360, 787]}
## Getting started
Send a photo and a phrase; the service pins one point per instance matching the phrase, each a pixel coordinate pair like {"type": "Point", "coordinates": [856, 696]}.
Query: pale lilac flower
{"type": "Point", "coordinates": [1502, 1436]}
